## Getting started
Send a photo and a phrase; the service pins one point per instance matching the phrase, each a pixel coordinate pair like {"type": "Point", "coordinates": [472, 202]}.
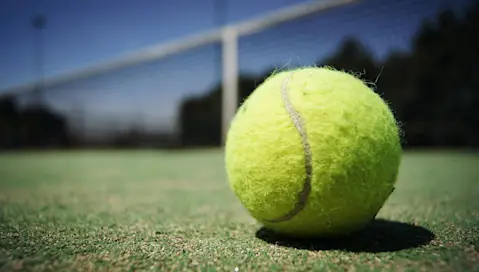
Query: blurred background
{"type": "Point", "coordinates": [170, 74]}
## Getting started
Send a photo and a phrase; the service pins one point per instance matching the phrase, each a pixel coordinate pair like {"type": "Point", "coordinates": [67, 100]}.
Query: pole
{"type": "Point", "coordinates": [39, 23]}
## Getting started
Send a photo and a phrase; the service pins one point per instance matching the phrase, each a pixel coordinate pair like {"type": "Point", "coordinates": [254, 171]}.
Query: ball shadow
{"type": "Point", "coordinates": [379, 236]}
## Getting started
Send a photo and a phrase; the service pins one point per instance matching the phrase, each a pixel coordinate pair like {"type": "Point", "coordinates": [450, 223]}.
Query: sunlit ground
{"type": "Point", "coordinates": [136, 210]}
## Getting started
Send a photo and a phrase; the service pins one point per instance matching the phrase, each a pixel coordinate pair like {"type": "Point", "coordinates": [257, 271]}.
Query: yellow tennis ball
{"type": "Point", "coordinates": [313, 152]}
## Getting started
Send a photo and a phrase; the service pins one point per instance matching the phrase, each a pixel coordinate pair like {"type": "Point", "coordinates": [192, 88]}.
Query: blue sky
{"type": "Point", "coordinates": [83, 33]}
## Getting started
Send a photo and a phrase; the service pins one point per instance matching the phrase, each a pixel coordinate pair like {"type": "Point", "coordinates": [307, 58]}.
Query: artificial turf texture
{"type": "Point", "coordinates": [169, 211]}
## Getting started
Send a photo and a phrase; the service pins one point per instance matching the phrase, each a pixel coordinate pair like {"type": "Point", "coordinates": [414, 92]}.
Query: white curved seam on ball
{"type": "Point", "coordinates": [299, 124]}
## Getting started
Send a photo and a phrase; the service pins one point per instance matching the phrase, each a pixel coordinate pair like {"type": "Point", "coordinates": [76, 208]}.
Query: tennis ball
{"type": "Point", "coordinates": [313, 152]}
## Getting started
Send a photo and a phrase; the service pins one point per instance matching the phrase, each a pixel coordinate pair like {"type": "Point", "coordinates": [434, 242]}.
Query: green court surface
{"type": "Point", "coordinates": [174, 211]}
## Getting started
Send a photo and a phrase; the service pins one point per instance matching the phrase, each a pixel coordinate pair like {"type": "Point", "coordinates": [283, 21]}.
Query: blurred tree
{"type": "Point", "coordinates": [41, 127]}
{"type": "Point", "coordinates": [9, 117]}
{"type": "Point", "coordinates": [352, 56]}
{"type": "Point", "coordinates": [200, 117]}
{"type": "Point", "coordinates": [443, 110]}
{"type": "Point", "coordinates": [433, 91]}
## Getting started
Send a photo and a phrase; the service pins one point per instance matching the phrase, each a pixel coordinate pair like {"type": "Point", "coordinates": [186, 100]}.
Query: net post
{"type": "Point", "coordinates": [230, 75]}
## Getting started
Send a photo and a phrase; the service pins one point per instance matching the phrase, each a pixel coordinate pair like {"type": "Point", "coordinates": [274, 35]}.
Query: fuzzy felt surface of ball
{"type": "Point", "coordinates": [313, 151]}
